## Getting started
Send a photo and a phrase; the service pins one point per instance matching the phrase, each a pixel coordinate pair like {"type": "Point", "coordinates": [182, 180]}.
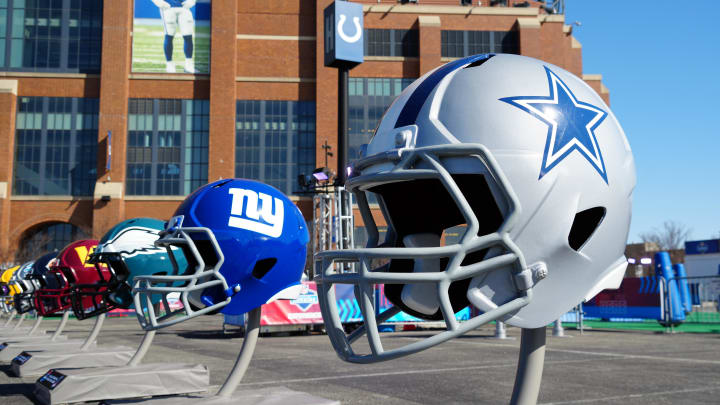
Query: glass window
{"type": "Point", "coordinates": [458, 44]}
{"type": "Point", "coordinates": [51, 35]}
{"type": "Point", "coordinates": [48, 237]}
{"type": "Point", "coordinates": [391, 42]}
{"type": "Point", "coordinates": [368, 99]}
{"type": "Point", "coordinates": [56, 146]}
{"type": "Point", "coordinates": [167, 150]}
{"type": "Point", "coordinates": [275, 141]}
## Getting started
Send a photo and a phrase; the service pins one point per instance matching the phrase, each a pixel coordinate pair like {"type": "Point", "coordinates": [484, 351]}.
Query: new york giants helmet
{"type": "Point", "coordinates": [69, 282]}
{"type": "Point", "coordinates": [24, 301]}
{"type": "Point", "coordinates": [128, 250]}
{"type": "Point", "coordinates": [245, 245]}
{"type": "Point", "coordinates": [519, 158]}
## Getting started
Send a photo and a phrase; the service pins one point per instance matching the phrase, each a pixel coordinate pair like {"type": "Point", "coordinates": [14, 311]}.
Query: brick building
{"type": "Point", "coordinates": [264, 111]}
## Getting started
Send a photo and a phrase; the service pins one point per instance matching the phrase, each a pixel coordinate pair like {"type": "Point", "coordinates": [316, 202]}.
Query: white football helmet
{"type": "Point", "coordinates": [524, 155]}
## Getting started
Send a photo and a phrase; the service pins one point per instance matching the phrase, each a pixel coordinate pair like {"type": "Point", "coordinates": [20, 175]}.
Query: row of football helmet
{"type": "Point", "coordinates": [213, 263]}
{"type": "Point", "coordinates": [522, 155]}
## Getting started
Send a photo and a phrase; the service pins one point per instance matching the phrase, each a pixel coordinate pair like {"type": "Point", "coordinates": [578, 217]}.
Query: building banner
{"type": "Point", "coordinates": [171, 36]}
{"type": "Point", "coordinates": [306, 310]}
{"type": "Point", "coordinates": [637, 298]}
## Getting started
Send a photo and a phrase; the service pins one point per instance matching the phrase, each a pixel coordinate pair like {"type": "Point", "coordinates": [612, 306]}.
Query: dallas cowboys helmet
{"type": "Point", "coordinates": [128, 249]}
{"type": "Point", "coordinates": [519, 157]}
{"type": "Point", "coordinates": [245, 245]}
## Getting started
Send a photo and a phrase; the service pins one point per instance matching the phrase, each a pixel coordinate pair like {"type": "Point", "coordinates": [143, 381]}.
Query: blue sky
{"type": "Point", "coordinates": [661, 63]}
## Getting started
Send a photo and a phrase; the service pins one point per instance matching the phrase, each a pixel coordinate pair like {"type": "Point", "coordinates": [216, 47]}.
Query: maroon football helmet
{"type": "Point", "coordinates": [70, 283]}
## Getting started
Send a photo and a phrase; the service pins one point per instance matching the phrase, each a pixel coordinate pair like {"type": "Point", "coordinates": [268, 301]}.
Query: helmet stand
{"type": "Point", "coordinates": [54, 344]}
{"type": "Point", "coordinates": [33, 335]}
{"type": "Point", "coordinates": [128, 380]}
{"type": "Point", "coordinates": [11, 316]}
{"type": "Point", "coordinates": [142, 349]}
{"type": "Point", "coordinates": [252, 330]}
{"type": "Point", "coordinates": [92, 337]}
{"type": "Point", "coordinates": [224, 395]}
{"type": "Point", "coordinates": [56, 335]}
{"type": "Point", "coordinates": [16, 330]}
{"type": "Point", "coordinates": [530, 367]}
{"type": "Point", "coordinates": [87, 355]}
{"type": "Point", "coordinates": [35, 326]}
{"type": "Point", "coordinates": [17, 325]}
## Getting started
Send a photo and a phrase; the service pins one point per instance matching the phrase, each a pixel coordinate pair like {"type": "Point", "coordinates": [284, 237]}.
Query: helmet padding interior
{"type": "Point", "coordinates": [425, 206]}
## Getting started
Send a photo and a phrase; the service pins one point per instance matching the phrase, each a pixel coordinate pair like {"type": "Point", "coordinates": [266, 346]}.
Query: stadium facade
{"type": "Point", "coordinates": [94, 130]}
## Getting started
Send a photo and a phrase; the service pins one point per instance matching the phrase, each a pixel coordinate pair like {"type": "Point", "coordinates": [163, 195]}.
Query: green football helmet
{"type": "Point", "coordinates": [128, 249]}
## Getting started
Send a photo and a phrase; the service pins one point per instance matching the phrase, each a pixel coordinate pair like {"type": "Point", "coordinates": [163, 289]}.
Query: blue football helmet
{"type": "Point", "coordinates": [245, 244]}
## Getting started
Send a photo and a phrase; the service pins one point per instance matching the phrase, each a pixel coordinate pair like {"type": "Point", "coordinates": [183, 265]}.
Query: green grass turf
{"type": "Point", "coordinates": [148, 55]}
{"type": "Point", "coordinates": [649, 326]}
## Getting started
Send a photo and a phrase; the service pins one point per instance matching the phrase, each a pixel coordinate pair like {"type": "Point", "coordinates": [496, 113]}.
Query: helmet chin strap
{"type": "Point", "coordinates": [422, 297]}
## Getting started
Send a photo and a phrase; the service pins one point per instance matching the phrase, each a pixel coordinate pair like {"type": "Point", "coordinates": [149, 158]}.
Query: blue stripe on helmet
{"type": "Point", "coordinates": [411, 109]}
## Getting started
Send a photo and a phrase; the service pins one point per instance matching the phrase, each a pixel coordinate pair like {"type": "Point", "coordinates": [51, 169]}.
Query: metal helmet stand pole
{"type": "Point", "coordinates": [580, 318]}
{"type": "Point", "coordinates": [35, 325]}
{"type": "Point", "coordinates": [93, 333]}
{"type": "Point", "coordinates": [142, 349]}
{"type": "Point", "coordinates": [17, 325]}
{"type": "Point", "coordinates": [252, 330]}
{"type": "Point", "coordinates": [60, 326]}
{"type": "Point", "coordinates": [530, 367]}
{"type": "Point", "coordinates": [10, 318]}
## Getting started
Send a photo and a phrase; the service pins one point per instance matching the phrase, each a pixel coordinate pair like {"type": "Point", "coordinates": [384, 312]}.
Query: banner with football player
{"type": "Point", "coordinates": [171, 36]}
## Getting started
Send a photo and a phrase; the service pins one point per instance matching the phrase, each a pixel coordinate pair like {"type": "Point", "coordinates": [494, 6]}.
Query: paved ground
{"type": "Point", "coordinates": [602, 366]}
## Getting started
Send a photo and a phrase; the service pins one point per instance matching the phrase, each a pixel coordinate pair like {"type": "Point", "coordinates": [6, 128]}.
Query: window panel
{"type": "Point", "coordinates": [49, 237]}
{"type": "Point", "coordinates": [366, 108]}
{"type": "Point", "coordinates": [167, 146]}
{"type": "Point", "coordinates": [275, 141]}
{"type": "Point", "coordinates": [458, 44]}
{"type": "Point", "coordinates": [51, 36]}
{"type": "Point", "coordinates": [52, 157]}
{"type": "Point", "coordinates": [391, 42]}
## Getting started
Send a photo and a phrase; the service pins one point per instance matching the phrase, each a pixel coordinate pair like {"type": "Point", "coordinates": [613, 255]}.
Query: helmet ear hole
{"type": "Point", "coordinates": [262, 267]}
{"type": "Point", "coordinates": [584, 225]}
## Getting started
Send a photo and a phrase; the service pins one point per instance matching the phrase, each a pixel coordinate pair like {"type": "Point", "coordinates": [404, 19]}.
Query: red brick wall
{"type": "Point", "coordinates": [282, 68]}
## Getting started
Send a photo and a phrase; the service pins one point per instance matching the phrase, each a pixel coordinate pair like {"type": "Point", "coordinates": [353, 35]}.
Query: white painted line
{"type": "Point", "coordinates": [406, 372]}
{"type": "Point", "coordinates": [637, 356]}
{"type": "Point", "coordinates": [588, 353]}
{"type": "Point", "coordinates": [629, 396]}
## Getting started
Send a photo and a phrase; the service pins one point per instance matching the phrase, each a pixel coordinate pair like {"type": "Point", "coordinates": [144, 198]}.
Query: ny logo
{"type": "Point", "coordinates": [258, 218]}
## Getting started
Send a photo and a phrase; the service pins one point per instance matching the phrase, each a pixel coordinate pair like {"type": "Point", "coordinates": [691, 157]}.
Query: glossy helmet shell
{"type": "Point", "coordinates": [523, 156]}
{"type": "Point", "coordinates": [25, 301]}
{"type": "Point", "coordinates": [69, 282]}
{"type": "Point", "coordinates": [251, 238]}
{"type": "Point", "coordinates": [128, 249]}
{"type": "Point", "coordinates": [6, 301]}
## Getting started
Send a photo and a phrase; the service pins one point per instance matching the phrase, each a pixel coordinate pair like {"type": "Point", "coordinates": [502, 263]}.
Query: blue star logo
{"type": "Point", "coordinates": [571, 124]}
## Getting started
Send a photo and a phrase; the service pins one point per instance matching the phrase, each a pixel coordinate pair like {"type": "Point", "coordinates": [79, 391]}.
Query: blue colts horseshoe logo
{"type": "Point", "coordinates": [343, 35]}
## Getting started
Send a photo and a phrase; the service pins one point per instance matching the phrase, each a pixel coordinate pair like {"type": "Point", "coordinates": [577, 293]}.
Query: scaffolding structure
{"type": "Point", "coordinates": [333, 221]}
